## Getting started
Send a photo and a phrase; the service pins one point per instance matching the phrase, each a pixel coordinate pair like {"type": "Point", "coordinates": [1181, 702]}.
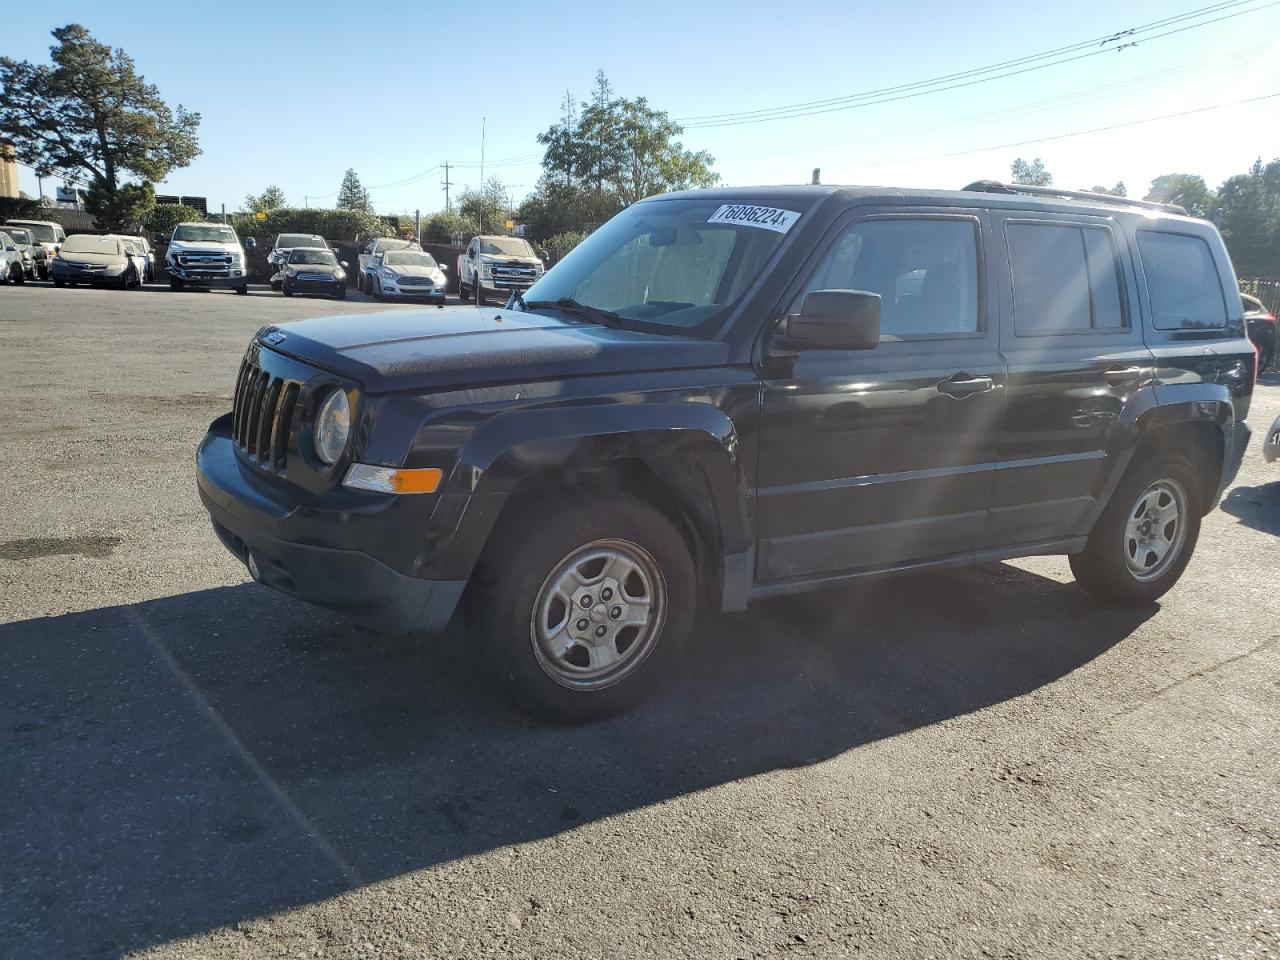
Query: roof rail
{"type": "Point", "coordinates": [995, 186]}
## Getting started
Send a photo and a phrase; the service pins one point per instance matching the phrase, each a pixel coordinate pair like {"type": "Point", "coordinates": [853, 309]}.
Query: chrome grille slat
{"type": "Point", "coordinates": [280, 428]}
{"type": "Point", "coordinates": [255, 413]}
{"type": "Point", "coordinates": [267, 419]}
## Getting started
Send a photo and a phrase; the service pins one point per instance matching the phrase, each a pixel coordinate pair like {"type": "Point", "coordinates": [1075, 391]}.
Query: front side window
{"type": "Point", "coordinates": [679, 263]}
{"type": "Point", "coordinates": [1065, 279]}
{"type": "Point", "coordinates": [925, 270]}
{"type": "Point", "coordinates": [1182, 282]}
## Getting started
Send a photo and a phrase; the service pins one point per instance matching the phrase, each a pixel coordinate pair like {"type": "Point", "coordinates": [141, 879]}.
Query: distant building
{"type": "Point", "coordinates": [72, 197]}
{"type": "Point", "coordinates": [200, 203]}
{"type": "Point", "coordinates": [8, 170]}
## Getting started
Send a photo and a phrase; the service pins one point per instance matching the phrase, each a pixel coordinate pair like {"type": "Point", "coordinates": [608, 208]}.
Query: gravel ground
{"type": "Point", "coordinates": [975, 763]}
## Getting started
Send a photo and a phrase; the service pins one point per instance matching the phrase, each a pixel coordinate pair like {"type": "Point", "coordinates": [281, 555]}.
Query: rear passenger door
{"type": "Point", "coordinates": [1071, 334]}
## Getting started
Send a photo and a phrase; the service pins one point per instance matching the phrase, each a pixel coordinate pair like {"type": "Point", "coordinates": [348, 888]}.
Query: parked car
{"type": "Point", "coordinates": [137, 255]}
{"type": "Point", "coordinates": [1261, 324]}
{"type": "Point", "coordinates": [405, 274]}
{"type": "Point", "coordinates": [207, 255]}
{"type": "Point", "coordinates": [12, 266]}
{"type": "Point", "coordinates": [286, 243]}
{"type": "Point", "coordinates": [309, 270]}
{"type": "Point", "coordinates": [374, 247]}
{"type": "Point", "coordinates": [86, 258]}
{"type": "Point", "coordinates": [149, 274]}
{"type": "Point", "coordinates": [497, 265]}
{"type": "Point", "coordinates": [32, 253]}
{"type": "Point", "coordinates": [727, 395]}
{"type": "Point", "coordinates": [1271, 445]}
{"type": "Point", "coordinates": [47, 233]}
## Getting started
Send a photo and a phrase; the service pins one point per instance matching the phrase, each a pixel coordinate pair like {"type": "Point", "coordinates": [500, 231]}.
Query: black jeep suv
{"type": "Point", "coordinates": [725, 395]}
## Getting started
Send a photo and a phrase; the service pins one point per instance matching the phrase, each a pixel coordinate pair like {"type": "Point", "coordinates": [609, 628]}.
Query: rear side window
{"type": "Point", "coordinates": [1182, 282]}
{"type": "Point", "coordinates": [1065, 279]}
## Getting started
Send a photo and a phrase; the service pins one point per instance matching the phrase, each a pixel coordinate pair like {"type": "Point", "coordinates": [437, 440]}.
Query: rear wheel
{"type": "Point", "coordinates": [1266, 354]}
{"type": "Point", "coordinates": [583, 604]}
{"type": "Point", "coordinates": [1145, 537]}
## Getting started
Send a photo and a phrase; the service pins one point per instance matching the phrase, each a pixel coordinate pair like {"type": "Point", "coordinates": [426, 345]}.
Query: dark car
{"type": "Point", "coordinates": [310, 271]}
{"type": "Point", "coordinates": [1261, 324]}
{"type": "Point", "coordinates": [727, 395]}
{"type": "Point", "coordinates": [85, 258]}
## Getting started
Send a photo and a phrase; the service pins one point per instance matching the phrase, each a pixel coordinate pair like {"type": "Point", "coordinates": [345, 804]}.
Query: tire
{"type": "Point", "coordinates": [593, 534]}
{"type": "Point", "coordinates": [59, 283]}
{"type": "Point", "coordinates": [464, 292]}
{"type": "Point", "coordinates": [243, 291]}
{"type": "Point", "coordinates": [175, 284]}
{"type": "Point", "coordinates": [44, 273]}
{"type": "Point", "coordinates": [286, 289]}
{"type": "Point", "coordinates": [1266, 355]}
{"type": "Point", "coordinates": [375, 288]}
{"type": "Point", "coordinates": [1107, 567]}
{"type": "Point", "coordinates": [479, 294]}
{"type": "Point", "coordinates": [342, 293]}
{"type": "Point", "coordinates": [20, 276]}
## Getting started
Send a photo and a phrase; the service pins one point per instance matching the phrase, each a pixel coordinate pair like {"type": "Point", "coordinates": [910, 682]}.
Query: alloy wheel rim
{"type": "Point", "coordinates": [1155, 530]}
{"type": "Point", "coordinates": [598, 614]}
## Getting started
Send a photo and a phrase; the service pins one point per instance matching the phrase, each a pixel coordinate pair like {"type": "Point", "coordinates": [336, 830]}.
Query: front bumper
{"type": "Point", "coordinates": [208, 278]}
{"type": "Point", "coordinates": [390, 289]}
{"type": "Point", "coordinates": [1232, 458]}
{"type": "Point", "coordinates": [291, 540]}
{"type": "Point", "coordinates": [326, 288]}
{"type": "Point", "coordinates": [61, 272]}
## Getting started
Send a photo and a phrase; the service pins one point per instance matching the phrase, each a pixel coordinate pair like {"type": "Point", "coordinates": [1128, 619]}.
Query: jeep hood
{"type": "Point", "coordinates": [466, 346]}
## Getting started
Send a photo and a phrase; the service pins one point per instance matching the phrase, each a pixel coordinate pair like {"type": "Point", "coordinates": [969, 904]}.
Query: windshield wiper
{"type": "Point", "coordinates": [605, 318]}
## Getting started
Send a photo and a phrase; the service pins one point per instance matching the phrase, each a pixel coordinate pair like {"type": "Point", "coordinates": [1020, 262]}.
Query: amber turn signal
{"type": "Point", "coordinates": [363, 476]}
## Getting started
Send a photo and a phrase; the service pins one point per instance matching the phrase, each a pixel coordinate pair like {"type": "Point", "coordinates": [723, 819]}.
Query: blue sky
{"type": "Point", "coordinates": [404, 88]}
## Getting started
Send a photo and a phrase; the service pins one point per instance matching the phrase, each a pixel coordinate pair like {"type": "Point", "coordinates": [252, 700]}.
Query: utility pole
{"type": "Point", "coordinates": [447, 207]}
{"type": "Point", "coordinates": [306, 202]}
{"type": "Point", "coordinates": [482, 121]}
{"type": "Point", "coordinates": [817, 176]}
{"type": "Point", "coordinates": [224, 213]}
{"type": "Point", "coordinates": [417, 225]}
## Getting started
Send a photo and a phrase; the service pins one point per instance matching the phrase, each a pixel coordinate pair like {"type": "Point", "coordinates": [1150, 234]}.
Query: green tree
{"type": "Point", "coordinates": [1117, 191]}
{"type": "Point", "coordinates": [91, 115]}
{"type": "Point", "coordinates": [1032, 174]}
{"type": "Point", "coordinates": [165, 216]}
{"type": "Point", "coordinates": [557, 207]}
{"type": "Point", "coordinates": [487, 207]}
{"type": "Point", "coordinates": [352, 195]}
{"type": "Point", "coordinates": [271, 198]}
{"type": "Point", "coordinates": [623, 147]}
{"type": "Point", "coordinates": [122, 209]}
{"type": "Point", "coordinates": [1185, 189]}
{"type": "Point", "coordinates": [1248, 206]}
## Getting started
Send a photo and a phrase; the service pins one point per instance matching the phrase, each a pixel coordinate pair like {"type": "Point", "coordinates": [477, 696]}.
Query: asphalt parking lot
{"type": "Point", "coordinates": [975, 763]}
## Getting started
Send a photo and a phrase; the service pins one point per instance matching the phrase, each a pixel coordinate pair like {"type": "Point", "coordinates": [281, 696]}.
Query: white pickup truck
{"type": "Point", "coordinates": [496, 265]}
{"type": "Point", "coordinates": [207, 255]}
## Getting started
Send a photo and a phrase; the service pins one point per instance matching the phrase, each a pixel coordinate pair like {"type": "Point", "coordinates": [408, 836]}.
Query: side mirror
{"type": "Point", "coordinates": [157, 239]}
{"type": "Point", "coordinates": [443, 268]}
{"type": "Point", "coordinates": [543, 255]}
{"type": "Point", "coordinates": [343, 264]}
{"type": "Point", "coordinates": [836, 320]}
{"type": "Point", "coordinates": [251, 243]}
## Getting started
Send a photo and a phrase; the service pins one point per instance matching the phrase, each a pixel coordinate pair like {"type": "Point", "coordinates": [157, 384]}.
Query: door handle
{"type": "Point", "coordinates": [1116, 375]}
{"type": "Point", "coordinates": [962, 385]}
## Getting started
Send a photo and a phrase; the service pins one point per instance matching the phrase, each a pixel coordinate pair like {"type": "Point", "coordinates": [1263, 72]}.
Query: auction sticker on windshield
{"type": "Point", "coordinates": [768, 218]}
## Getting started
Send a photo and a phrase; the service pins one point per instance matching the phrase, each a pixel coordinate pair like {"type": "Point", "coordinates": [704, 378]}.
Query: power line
{"type": "Point", "coordinates": [1065, 136]}
{"type": "Point", "coordinates": [977, 75]}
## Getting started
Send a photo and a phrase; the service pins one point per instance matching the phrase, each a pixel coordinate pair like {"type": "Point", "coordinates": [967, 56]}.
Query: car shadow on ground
{"type": "Point", "coordinates": [1257, 507]}
{"type": "Point", "coordinates": [190, 762]}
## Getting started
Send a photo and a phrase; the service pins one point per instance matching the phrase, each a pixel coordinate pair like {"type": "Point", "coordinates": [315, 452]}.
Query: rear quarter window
{"type": "Point", "coordinates": [1183, 286]}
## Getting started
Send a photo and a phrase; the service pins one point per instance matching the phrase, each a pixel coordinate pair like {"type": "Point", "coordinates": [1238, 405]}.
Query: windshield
{"type": "Point", "coordinates": [86, 243]}
{"type": "Point", "coordinates": [325, 257]}
{"type": "Point", "coordinates": [204, 233]}
{"type": "Point", "coordinates": [506, 247]}
{"type": "Point", "coordinates": [382, 245]}
{"type": "Point", "coordinates": [408, 258]}
{"type": "Point", "coordinates": [41, 232]}
{"type": "Point", "coordinates": [18, 235]}
{"type": "Point", "coordinates": [676, 263]}
{"type": "Point", "coordinates": [301, 240]}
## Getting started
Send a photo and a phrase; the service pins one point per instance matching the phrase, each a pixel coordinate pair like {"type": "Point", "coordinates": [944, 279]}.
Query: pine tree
{"type": "Point", "coordinates": [353, 196]}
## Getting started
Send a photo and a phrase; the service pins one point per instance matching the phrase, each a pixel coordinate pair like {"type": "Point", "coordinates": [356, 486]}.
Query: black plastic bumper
{"type": "Point", "coordinates": [1235, 456]}
{"type": "Point", "coordinates": [349, 581]}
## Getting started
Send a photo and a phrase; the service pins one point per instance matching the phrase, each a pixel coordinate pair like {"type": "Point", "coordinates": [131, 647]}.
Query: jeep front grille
{"type": "Point", "coordinates": [263, 413]}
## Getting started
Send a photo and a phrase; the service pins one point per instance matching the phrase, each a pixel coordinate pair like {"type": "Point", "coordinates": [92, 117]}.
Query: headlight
{"type": "Point", "coordinates": [387, 274]}
{"type": "Point", "coordinates": [340, 275]}
{"type": "Point", "coordinates": [333, 426]}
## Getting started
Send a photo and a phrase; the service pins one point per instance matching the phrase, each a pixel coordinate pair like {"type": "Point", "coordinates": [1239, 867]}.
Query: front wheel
{"type": "Point", "coordinates": [59, 283]}
{"type": "Point", "coordinates": [582, 605]}
{"type": "Point", "coordinates": [286, 289]}
{"type": "Point", "coordinates": [1145, 537]}
{"type": "Point", "coordinates": [243, 291]}
{"type": "Point", "coordinates": [175, 284]}
{"type": "Point", "coordinates": [479, 293]}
